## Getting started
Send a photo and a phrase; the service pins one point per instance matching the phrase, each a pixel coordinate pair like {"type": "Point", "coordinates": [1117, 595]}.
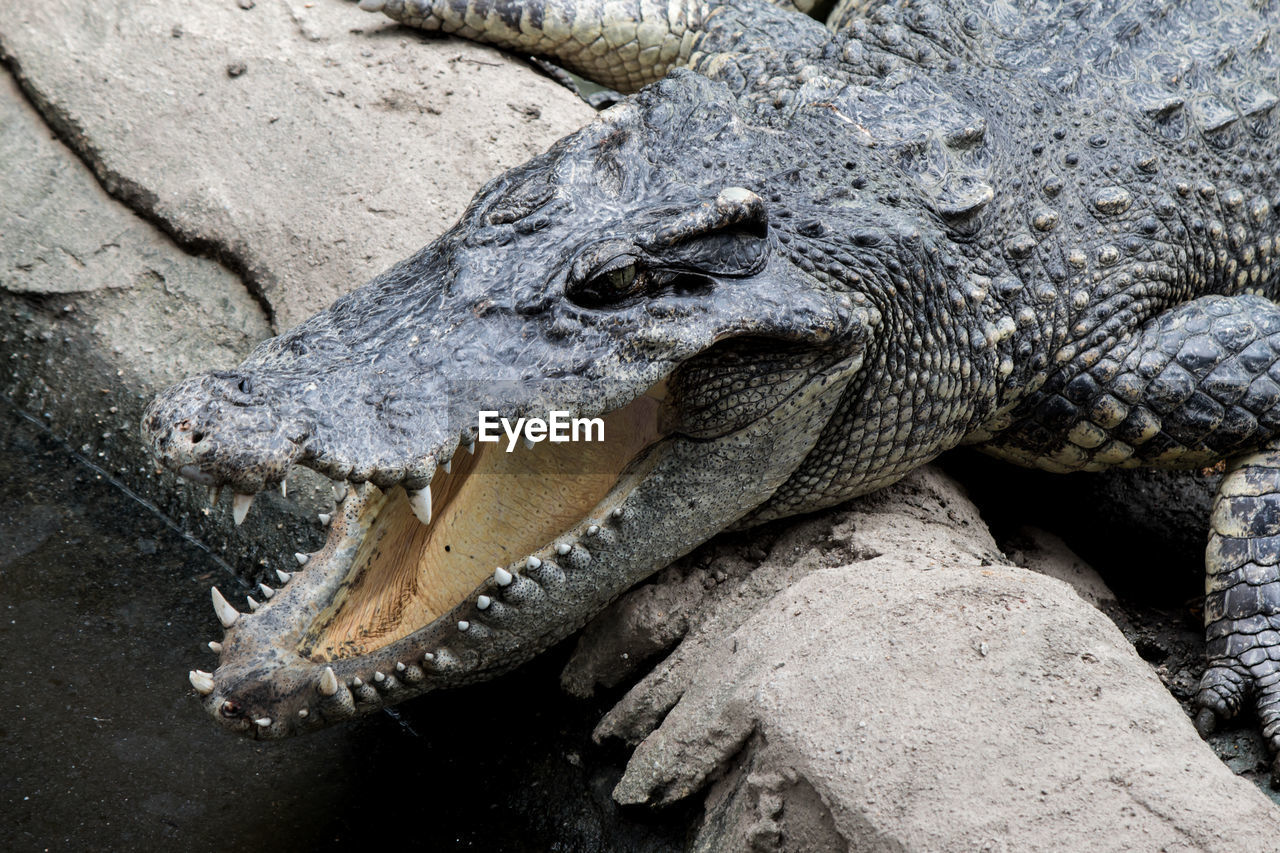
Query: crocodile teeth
{"type": "Point", "coordinates": [284, 576]}
{"type": "Point", "coordinates": [533, 562]}
{"type": "Point", "coordinates": [328, 682]}
{"type": "Point", "coordinates": [379, 677]}
{"type": "Point", "coordinates": [202, 681]}
{"type": "Point", "coordinates": [464, 625]}
{"type": "Point", "coordinates": [371, 5]}
{"type": "Point", "coordinates": [284, 489]}
{"type": "Point", "coordinates": [420, 502]}
{"type": "Point", "coordinates": [303, 713]}
{"type": "Point", "coordinates": [501, 576]}
{"type": "Point", "coordinates": [267, 591]}
{"type": "Point", "coordinates": [325, 518]}
{"type": "Point", "coordinates": [593, 530]}
{"type": "Point", "coordinates": [470, 446]}
{"type": "Point", "coordinates": [356, 682]}
{"type": "Point", "coordinates": [563, 549]}
{"type": "Point", "coordinates": [240, 507]}
{"type": "Point", "coordinates": [617, 512]}
{"type": "Point", "coordinates": [301, 558]}
{"type": "Point", "coordinates": [483, 602]}
{"type": "Point", "coordinates": [227, 614]}
{"type": "Point", "coordinates": [447, 465]}
{"type": "Point", "coordinates": [215, 492]}
{"type": "Point", "coordinates": [215, 647]}
{"type": "Point", "coordinates": [400, 667]}
{"type": "Point", "coordinates": [263, 721]}
{"type": "Point", "coordinates": [528, 443]}
{"type": "Point", "coordinates": [253, 604]}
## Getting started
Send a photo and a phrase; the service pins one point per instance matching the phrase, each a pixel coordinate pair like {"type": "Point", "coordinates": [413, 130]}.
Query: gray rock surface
{"type": "Point", "coordinates": [882, 679]}
{"type": "Point", "coordinates": [200, 176]}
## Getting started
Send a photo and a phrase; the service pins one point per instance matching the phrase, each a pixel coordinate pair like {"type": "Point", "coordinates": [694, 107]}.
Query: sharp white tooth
{"type": "Point", "coordinates": [303, 713]}
{"type": "Point", "coordinates": [215, 647]}
{"type": "Point", "coordinates": [420, 502]}
{"type": "Point", "coordinates": [263, 721]}
{"type": "Point", "coordinates": [328, 682]}
{"type": "Point", "coordinates": [528, 443]}
{"type": "Point", "coordinates": [227, 614]}
{"type": "Point", "coordinates": [533, 563]}
{"type": "Point", "coordinates": [447, 465]}
{"type": "Point", "coordinates": [400, 667]}
{"type": "Point", "coordinates": [617, 512]}
{"type": "Point", "coordinates": [253, 605]}
{"type": "Point", "coordinates": [356, 682]}
{"type": "Point", "coordinates": [563, 549]}
{"type": "Point", "coordinates": [339, 492]}
{"type": "Point", "coordinates": [325, 518]}
{"type": "Point", "coordinates": [428, 657]}
{"type": "Point", "coordinates": [215, 492]}
{"type": "Point", "coordinates": [593, 530]}
{"type": "Point", "coordinates": [470, 446]}
{"type": "Point", "coordinates": [501, 576]}
{"type": "Point", "coordinates": [267, 591]}
{"type": "Point", "coordinates": [301, 558]}
{"type": "Point", "coordinates": [201, 681]}
{"type": "Point", "coordinates": [284, 576]}
{"type": "Point", "coordinates": [284, 489]}
{"type": "Point", "coordinates": [483, 602]}
{"type": "Point", "coordinates": [240, 507]}
{"type": "Point", "coordinates": [464, 625]}
{"type": "Point", "coordinates": [379, 677]}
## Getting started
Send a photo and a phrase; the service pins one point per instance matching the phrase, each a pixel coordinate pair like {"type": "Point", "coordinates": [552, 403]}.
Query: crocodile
{"type": "Point", "coordinates": [796, 261]}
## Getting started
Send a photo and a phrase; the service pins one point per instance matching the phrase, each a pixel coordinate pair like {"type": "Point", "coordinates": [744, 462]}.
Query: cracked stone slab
{"type": "Point", "coordinates": [263, 161]}
{"type": "Point", "coordinates": [307, 145]}
{"type": "Point", "coordinates": [882, 679]}
{"type": "Point", "coordinates": [98, 308]}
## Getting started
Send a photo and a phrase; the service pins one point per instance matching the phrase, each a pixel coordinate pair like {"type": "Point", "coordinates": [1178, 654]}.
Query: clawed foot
{"type": "Point", "coordinates": [1230, 682]}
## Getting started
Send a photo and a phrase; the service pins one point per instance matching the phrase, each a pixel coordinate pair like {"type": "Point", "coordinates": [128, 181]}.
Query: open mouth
{"type": "Point", "coordinates": [407, 579]}
{"type": "Point", "coordinates": [511, 547]}
{"type": "Point", "coordinates": [495, 508]}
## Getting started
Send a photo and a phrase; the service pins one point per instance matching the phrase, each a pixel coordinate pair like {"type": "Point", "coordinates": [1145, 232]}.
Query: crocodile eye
{"type": "Point", "coordinates": [616, 282]}
{"type": "Point", "coordinates": [620, 281]}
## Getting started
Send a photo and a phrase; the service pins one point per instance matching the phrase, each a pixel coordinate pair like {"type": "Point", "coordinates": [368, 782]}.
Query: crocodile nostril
{"type": "Point", "coordinates": [197, 437]}
{"type": "Point", "coordinates": [246, 385]}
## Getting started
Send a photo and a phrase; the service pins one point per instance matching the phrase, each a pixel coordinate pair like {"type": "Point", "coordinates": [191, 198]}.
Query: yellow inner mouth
{"type": "Point", "coordinates": [495, 508]}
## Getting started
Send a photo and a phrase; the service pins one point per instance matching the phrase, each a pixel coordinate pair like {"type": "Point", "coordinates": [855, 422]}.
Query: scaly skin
{"type": "Point", "coordinates": [841, 255]}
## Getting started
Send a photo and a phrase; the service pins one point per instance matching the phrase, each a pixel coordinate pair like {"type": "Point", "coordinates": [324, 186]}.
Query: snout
{"type": "Point", "coordinates": [218, 430]}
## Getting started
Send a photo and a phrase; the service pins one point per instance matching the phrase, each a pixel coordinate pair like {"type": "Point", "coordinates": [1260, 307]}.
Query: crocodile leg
{"type": "Point", "coordinates": [1194, 385]}
{"type": "Point", "coordinates": [1242, 598]}
{"type": "Point", "coordinates": [621, 45]}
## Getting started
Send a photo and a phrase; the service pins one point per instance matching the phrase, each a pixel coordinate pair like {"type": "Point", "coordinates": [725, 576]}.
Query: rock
{"type": "Point", "coordinates": [883, 680]}
{"type": "Point", "coordinates": [1043, 552]}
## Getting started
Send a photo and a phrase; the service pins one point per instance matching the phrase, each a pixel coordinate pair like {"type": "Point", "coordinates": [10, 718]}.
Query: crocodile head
{"type": "Point", "coordinates": [635, 274]}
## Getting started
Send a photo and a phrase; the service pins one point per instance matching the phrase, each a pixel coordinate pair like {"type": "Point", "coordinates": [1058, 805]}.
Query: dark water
{"type": "Point", "coordinates": [106, 608]}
